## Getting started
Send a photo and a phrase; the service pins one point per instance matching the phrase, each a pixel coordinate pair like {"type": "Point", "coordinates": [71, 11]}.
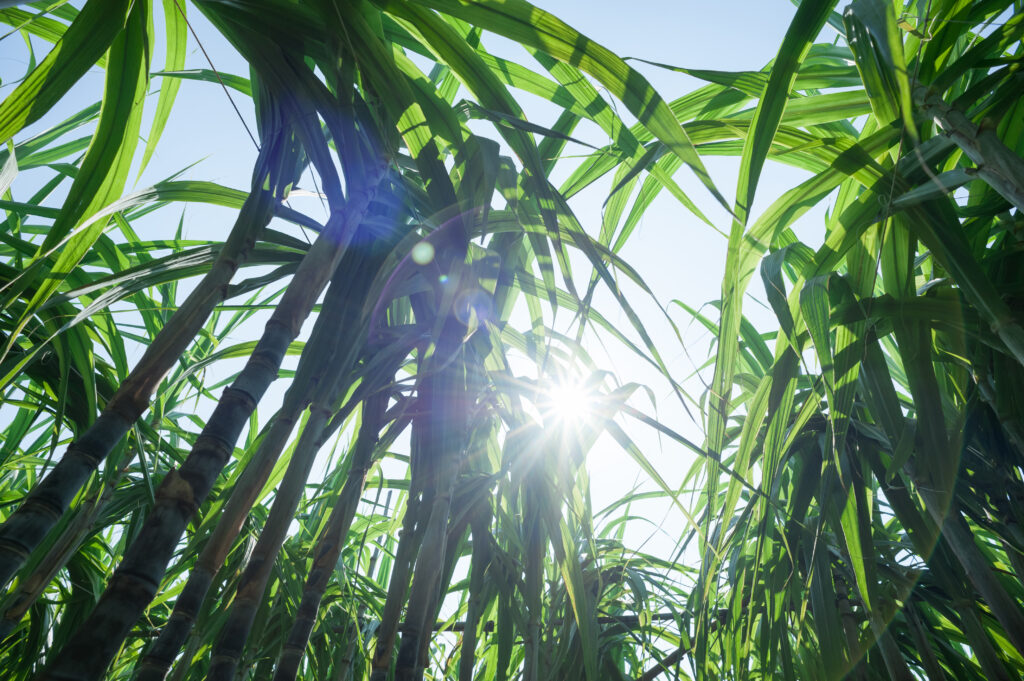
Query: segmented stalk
{"type": "Point", "coordinates": [329, 326]}
{"type": "Point", "coordinates": [231, 642]}
{"type": "Point", "coordinates": [480, 524]}
{"type": "Point", "coordinates": [158, 659]}
{"type": "Point", "coordinates": [1002, 169]}
{"type": "Point", "coordinates": [409, 540]}
{"type": "Point", "coordinates": [927, 542]}
{"type": "Point", "coordinates": [32, 587]}
{"type": "Point", "coordinates": [332, 538]}
{"type": "Point", "coordinates": [398, 587]}
{"type": "Point", "coordinates": [137, 579]}
{"type": "Point", "coordinates": [442, 395]}
{"type": "Point", "coordinates": [335, 384]}
{"type": "Point", "coordinates": [23, 531]}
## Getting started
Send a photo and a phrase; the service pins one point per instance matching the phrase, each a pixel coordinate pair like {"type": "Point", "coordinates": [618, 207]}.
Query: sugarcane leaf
{"type": "Point", "coordinates": [526, 24]}
{"type": "Point", "coordinates": [207, 76]}
{"type": "Point", "coordinates": [80, 46]}
{"type": "Point", "coordinates": [175, 45]}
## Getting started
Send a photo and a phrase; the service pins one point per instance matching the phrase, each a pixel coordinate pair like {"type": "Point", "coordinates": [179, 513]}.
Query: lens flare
{"type": "Point", "coordinates": [423, 253]}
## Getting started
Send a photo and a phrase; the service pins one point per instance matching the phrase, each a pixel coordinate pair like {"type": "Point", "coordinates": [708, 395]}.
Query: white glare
{"type": "Point", "coordinates": [570, 402]}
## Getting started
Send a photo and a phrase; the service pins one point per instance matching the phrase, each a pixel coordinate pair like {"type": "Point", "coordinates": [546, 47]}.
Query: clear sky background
{"type": "Point", "coordinates": [679, 256]}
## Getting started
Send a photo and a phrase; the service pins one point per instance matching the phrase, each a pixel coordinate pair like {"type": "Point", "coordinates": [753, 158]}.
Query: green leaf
{"type": "Point", "coordinates": [176, 27]}
{"type": "Point", "coordinates": [81, 46]}
{"type": "Point", "coordinates": [8, 171]}
{"type": "Point", "coordinates": [207, 76]}
{"type": "Point", "coordinates": [106, 164]}
{"type": "Point", "coordinates": [522, 22]}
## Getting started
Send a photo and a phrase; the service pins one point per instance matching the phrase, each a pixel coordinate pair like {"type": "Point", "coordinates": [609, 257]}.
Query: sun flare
{"type": "Point", "coordinates": [570, 402]}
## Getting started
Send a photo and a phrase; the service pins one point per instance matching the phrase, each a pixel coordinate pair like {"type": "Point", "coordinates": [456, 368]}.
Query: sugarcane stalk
{"type": "Point", "coordinates": [534, 577]}
{"type": "Point", "coordinates": [943, 567]}
{"type": "Point", "coordinates": [137, 579]}
{"type": "Point", "coordinates": [895, 665]}
{"type": "Point", "coordinates": [50, 498]}
{"type": "Point", "coordinates": [231, 643]}
{"type": "Point", "coordinates": [329, 325]}
{"type": "Point", "coordinates": [410, 538]}
{"type": "Point", "coordinates": [480, 524]}
{"type": "Point", "coordinates": [442, 403]}
{"type": "Point", "coordinates": [458, 531]}
{"type": "Point", "coordinates": [442, 395]}
{"type": "Point", "coordinates": [978, 638]}
{"type": "Point", "coordinates": [340, 359]}
{"type": "Point", "coordinates": [922, 645]}
{"type": "Point", "coordinates": [978, 570]}
{"type": "Point", "coordinates": [423, 490]}
{"type": "Point", "coordinates": [343, 670]}
{"type": "Point", "coordinates": [998, 165]}
{"type": "Point", "coordinates": [180, 670]}
{"type": "Point", "coordinates": [33, 586]}
{"type": "Point", "coordinates": [353, 634]}
{"type": "Point", "coordinates": [423, 494]}
{"type": "Point", "coordinates": [927, 542]}
{"type": "Point", "coordinates": [923, 530]}
{"type": "Point", "coordinates": [332, 538]}
{"type": "Point", "coordinates": [158, 659]}
{"type": "Point", "coordinates": [424, 595]}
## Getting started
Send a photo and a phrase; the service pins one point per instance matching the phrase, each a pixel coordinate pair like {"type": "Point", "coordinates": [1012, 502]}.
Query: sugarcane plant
{"type": "Point", "coordinates": [335, 95]}
{"type": "Point", "coordinates": [855, 477]}
{"type": "Point", "coordinates": [416, 507]}
{"type": "Point", "coordinates": [845, 528]}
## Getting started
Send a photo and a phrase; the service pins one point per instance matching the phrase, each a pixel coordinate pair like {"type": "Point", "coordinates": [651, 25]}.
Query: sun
{"type": "Point", "coordinates": [569, 402]}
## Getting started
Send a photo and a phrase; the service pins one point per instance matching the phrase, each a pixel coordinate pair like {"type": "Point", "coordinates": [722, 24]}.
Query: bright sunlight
{"type": "Point", "coordinates": [569, 401]}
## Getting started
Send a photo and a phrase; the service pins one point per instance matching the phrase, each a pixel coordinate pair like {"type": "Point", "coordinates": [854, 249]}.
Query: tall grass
{"type": "Point", "coordinates": [860, 482]}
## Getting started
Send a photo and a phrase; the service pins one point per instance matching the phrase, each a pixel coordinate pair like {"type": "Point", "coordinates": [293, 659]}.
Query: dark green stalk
{"type": "Point", "coordinates": [927, 542]}
{"type": "Point", "coordinates": [353, 634]}
{"type": "Point", "coordinates": [351, 637]}
{"type": "Point", "coordinates": [158, 659]}
{"type": "Point", "coordinates": [339, 356]}
{"type": "Point", "coordinates": [480, 525]}
{"type": "Point", "coordinates": [922, 645]}
{"type": "Point", "coordinates": [442, 396]}
{"type": "Point", "coordinates": [137, 579]}
{"type": "Point", "coordinates": [935, 483]}
{"type": "Point", "coordinates": [332, 538]}
{"type": "Point", "coordinates": [32, 587]}
{"type": "Point", "coordinates": [23, 531]}
{"type": "Point", "coordinates": [978, 638]}
{"type": "Point", "coordinates": [329, 325]}
{"type": "Point", "coordinates": [231, 642]}
{"type": "Point", "coordinates": [233, 636]}
{"type": "Point", "coordinates": [422, 490]}
{"type": "Point", "coordinates": [922, 531]}
{"type": "Point", "coordinates": [961, 542]}
{"type": "Point", "coordinates": [425, 596]}
{"type": "Point", "coordinates": [534, 577]}
{"type": "Point", "coordinates": [409, 541]}
{"type": "Point", "coordinates": [180, 670]}
{"type": "Point", "coordinates": [895, 665]}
